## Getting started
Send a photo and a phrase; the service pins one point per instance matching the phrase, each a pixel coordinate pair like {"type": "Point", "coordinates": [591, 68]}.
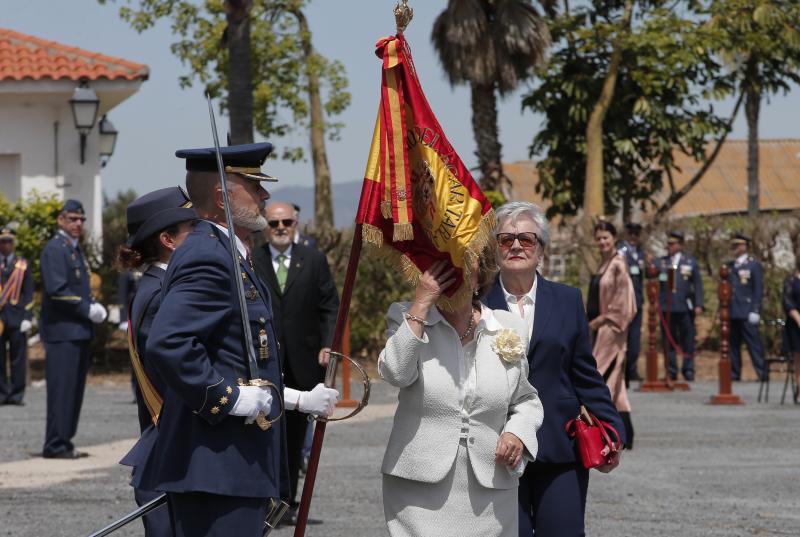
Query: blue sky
{"type": "Point", "coordinates": [162, 117]}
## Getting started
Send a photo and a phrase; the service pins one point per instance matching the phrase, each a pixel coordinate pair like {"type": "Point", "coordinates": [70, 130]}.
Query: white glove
{"type": "Point", "coordinates": [97, 313]}
{"type": "Point", "coordinates": [251, 401]}
{"type": "Point", "coordinates": [320, 401]}
{"type": "Point", "coordinates": [123, 326]}
{"type": "Point", "coordinates": [753, 317]}
{"type": "Point", "coordinates": [25, 326]}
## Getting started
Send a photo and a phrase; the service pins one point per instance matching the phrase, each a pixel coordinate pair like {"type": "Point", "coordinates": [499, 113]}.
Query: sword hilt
{"type": "Point", "coordinates": [262, 420]}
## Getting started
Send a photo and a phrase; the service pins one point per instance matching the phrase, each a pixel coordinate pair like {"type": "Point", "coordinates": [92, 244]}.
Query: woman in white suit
{"type": "Point", "coordinates": [466, 421]}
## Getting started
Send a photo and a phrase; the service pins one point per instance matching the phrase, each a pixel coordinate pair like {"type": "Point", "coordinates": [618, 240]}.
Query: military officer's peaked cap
{"type": "Point", "coordinates": [156, 211]}
{"type": "Point", "coordinates": [740, 238]}
{"type": "Point", "coordinates": [7, 234]}
{"type": "Point", "coordinates": [245, 160]}
{"type": "Point", "coordinates": [72, 206]}
{"type": "Point", "coordinates": [675, 236]}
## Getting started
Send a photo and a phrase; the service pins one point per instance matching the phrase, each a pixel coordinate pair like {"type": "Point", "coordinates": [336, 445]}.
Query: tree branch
{"type": "Point", "coordinates": [675, 197]}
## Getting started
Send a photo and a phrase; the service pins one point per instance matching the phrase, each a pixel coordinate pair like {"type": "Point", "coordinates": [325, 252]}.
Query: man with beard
{"type": "Point", "coordinates": [305, 304]}
{"type": "Point", "coordinates": [219, 471]}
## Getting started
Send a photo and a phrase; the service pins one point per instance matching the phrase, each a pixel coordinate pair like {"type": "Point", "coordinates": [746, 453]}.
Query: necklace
{"type": "Point", "coordinates": [470, 327]}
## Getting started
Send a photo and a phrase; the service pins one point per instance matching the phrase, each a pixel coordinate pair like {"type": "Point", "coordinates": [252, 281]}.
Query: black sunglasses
{"type": "Point", "coordinates": [526, 240]}
{"type": "Point", "coordinates": [287, 222]}
{"type": "Point", "coordinates": [76, 218]}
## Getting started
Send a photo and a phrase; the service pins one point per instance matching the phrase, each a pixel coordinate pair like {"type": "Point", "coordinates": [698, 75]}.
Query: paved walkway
{"type": "Point", "coordinates": [697, 470]}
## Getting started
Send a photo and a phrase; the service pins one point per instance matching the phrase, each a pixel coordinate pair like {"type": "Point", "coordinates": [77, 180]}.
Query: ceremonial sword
{"type": "Point", "coordinates": [261, 420]}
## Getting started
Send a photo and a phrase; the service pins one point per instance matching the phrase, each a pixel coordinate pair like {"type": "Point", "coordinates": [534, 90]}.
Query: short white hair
{"type": "Point", "coordinates": [513, 210]}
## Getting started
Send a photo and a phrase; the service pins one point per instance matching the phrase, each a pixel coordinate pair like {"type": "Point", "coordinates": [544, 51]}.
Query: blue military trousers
{"type": "Point", "coordinates": [212, 515]}
{"type": "Point", "coordinates": [742, 330]}
{"type": "Point", "coordinates": [14, 349]}
{"type": "Point", "coordinates": [66, 366]}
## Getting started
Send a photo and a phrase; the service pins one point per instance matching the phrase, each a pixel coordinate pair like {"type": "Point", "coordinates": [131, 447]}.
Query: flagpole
{"type": "Point", "coordinates": [319, 429]}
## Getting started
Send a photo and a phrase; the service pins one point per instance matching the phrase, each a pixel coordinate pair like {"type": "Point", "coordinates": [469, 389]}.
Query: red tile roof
{"type": "Point", "coordinates": [23, 56]}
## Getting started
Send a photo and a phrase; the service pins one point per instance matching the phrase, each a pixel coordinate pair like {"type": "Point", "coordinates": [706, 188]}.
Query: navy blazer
{"type": "Point", "coordinates": [12, 315]}
{"type": "Point", "coordinates": [562, 368]}
{"type": "Point", "coordinates": [635, 258]}
{"type": "Point", "coordinates": [196, 345]}
{"type": "Point", "coordinates": [747, 284]}
{"type": "Point", "coordinates": [66, 296]}
{"type": "Point", "coordinates": [144, 307]}
{"type": "Point", "coordinates": [688, 291]}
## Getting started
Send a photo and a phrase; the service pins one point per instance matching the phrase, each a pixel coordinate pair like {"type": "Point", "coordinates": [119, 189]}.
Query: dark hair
{"type": "Point", "coordinates": [487, 269]}
{"type": "Point", "coordinates": [145, 253]}
{"type": "Point", "coordinates": [605, 225]}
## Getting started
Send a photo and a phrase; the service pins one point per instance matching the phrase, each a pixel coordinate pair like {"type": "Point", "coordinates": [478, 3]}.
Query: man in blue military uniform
{"type": "Point", "coordinates": [686, 301]}
{"type": "Point", "coordinates": [16, 303]}
{"type": "Point", "coordinates": [747, 284]}
{"type": "Point", "coordinates": [218, 469]}
{"type": "Point", "coordinates": [68, 312]}
{"type": "Point", "coordinates": [635, 258]}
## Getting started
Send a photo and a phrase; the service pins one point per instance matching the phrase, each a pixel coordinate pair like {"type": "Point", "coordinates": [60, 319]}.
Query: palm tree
{"type": "Point", "coordinates": [493, 45]}
{"type": "Point", "coordinates": [240, 81]}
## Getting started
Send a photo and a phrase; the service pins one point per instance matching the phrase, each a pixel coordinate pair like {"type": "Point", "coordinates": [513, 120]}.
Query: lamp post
{"type": "Point", "coordinates": [84, 104]}
{"type": "Point", "coordinates": [108, 139]}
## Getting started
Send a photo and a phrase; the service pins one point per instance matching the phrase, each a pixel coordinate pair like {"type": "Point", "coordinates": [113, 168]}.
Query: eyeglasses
{"type": "Point", "coordinates": [76, 218]}
{"type": "Point", "coordinates": [526, 240]}
{"type": "Point", "coordinates": [287, 222]}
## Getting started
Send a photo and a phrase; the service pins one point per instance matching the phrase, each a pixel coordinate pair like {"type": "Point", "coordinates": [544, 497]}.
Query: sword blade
{"type": "Point", "coordinates": [248, 336]}
{"type": "Point", "coordinates": [130, 517]}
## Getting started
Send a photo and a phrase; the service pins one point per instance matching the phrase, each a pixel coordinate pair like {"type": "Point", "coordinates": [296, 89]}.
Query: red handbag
{"type": "Point", "coordinates": [591, 436]}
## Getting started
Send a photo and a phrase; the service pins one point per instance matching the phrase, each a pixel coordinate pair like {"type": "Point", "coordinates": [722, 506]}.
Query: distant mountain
{"type": "Point", "coordinates": [345, 201]}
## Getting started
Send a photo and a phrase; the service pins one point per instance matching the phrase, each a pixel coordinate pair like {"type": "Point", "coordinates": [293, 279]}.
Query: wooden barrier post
{"type": "Point", "coordinates": [725, 395]}
{"type": "Point", "coordinates": [345, 401]}
{"type": "Point", "coordinates": [651, 382]}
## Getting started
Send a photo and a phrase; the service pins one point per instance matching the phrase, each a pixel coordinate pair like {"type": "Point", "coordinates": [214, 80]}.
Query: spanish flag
{"type": "Point", "coordinates": [419, 203]}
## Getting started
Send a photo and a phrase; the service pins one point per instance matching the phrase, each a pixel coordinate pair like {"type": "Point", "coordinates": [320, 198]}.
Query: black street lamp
{"type": "Point", "coordinates": [108, 139]}
{"type": "Point", "coordinates": [84, 105]}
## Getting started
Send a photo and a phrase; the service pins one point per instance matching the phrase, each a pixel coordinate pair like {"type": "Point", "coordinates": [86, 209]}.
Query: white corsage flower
{"type": "Point", "coordinates": [508, 345]}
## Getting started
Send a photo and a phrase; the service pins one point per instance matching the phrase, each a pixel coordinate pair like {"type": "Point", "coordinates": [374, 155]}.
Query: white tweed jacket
{"type": "Point", "coordinates": [429, 423]}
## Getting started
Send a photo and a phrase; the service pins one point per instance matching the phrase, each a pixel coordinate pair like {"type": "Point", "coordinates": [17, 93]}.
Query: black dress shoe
{"type": "Point", "coordinates": [15, 403]}
{"type": "Point", "coordinates": [689, 376]}
{"type": "Point", "coordinates": [74, 454]}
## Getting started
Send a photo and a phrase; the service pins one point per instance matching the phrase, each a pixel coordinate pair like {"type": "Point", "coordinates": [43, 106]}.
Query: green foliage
{"type": "Point", "coordinates": [35, 222]}
{"type": "Point", "coordinates": [280, 80]}
{"type": "Point", "coordinates": [667, 69]}
{"type": "Point", "coordinates": [495, 197]}
{"type": "Point", "coordinates": [761, 41]}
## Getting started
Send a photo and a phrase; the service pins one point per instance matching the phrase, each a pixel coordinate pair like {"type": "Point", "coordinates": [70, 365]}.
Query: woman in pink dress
{"type": "Point", "coordinates": [610, 307]}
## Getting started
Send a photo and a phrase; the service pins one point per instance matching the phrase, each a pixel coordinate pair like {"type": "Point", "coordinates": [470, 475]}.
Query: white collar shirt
{"type": "Point", "coordinates": [524, 306]}
{"type": "Point", "coordinates": [240, 247]}
{"type": "Point", "coordinates": [159, 264]}
{"type": "Point", "coordinates": [274, 253]}
{"type": "Point", "coordinates": [742, 259]}
{"type": "Point", "coordinates": [676, 260]}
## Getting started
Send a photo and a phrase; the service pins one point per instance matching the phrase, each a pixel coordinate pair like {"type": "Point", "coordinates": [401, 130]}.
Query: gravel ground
{"type": "Point", "coordinates": [697, 470]}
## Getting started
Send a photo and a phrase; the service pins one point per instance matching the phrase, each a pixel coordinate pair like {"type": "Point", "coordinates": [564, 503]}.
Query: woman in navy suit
{"type": "Point", "coordinates": [552, 492]}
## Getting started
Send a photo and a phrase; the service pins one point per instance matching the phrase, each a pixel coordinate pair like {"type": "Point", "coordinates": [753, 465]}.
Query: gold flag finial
{"type": "Point", "coordinates": [402, 15]}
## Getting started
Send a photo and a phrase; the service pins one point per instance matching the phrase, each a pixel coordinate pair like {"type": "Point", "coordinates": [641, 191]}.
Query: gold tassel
{"type": "Point", "coordinates": [371, 235]}
{"type": "Point", "coordinates": [403, 232]}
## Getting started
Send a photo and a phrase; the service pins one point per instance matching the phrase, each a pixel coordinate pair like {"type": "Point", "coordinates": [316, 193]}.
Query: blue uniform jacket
{"type": "Point", "coordinates": [13, 314]}
{"type": "Point", "coordinates": [146, 303]}
{"type": "Point", "coordinates": [636, 269]}
{"type": "Point", "coordinates": [562, 368]}
{"type": "Point", "coordinates": [747, 284]}
{"type": "Point", "coordinates": [197, 346]}
{"type": "Point", "coordinates": [66, 295]}
{"type": "Point", "coordinates": [688, 292]}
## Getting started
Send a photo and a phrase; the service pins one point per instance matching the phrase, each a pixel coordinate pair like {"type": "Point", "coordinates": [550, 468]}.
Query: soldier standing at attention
{"type": "Point", "coordinates": [68, 312]}
{"type": "Point", "coordinates": [686, 302]}
{"type": "Point", "coordinates": [747, 284]}
{"type": "Point", "coordinates": [219, 471]}
{"type": "Point", "coordinates": [635, 258]}
{"type": "Point", "coordinates": [16, 303]}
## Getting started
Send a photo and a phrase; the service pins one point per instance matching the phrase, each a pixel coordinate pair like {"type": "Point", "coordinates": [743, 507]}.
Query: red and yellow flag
{"type": "Point", "coordinates": [419, 203]}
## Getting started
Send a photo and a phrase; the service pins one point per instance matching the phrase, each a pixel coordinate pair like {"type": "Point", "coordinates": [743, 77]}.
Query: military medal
{"type": "Point", "coordinates": [252, 293]}
{"type": "Point", "coordinates": [263, 341]}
